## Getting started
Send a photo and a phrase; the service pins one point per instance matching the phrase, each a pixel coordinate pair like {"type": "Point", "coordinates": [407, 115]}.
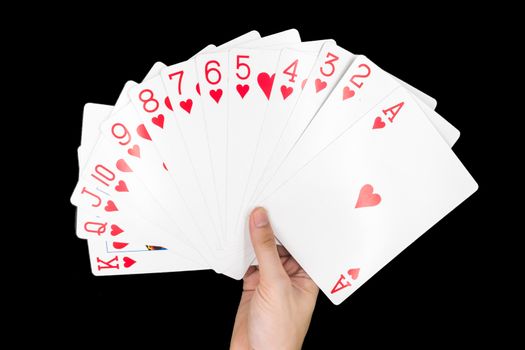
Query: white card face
{"type": "Point", "coordinates": [371, 194]}
{"type": "Point", "coordinates": [292, 70]}
{"type": "Point", "coordinates": [94, 114]}
{"type": "Point", "coordinates": [109, 259]}
{"type": "Point", "coordinates": [126, 132]}
{"type": "Point", "coordinates": [109, 185]}
{"type": "Point", "coordinates": [331, 64]}
{"type": "Point", "coordinates": [151, 103]}
{"type": "Point", "coordinates": [212, 76]}
{"type": "Point", "coordinates": [287, 37]}
{"type": "Point", "coordinates": [181, 82]}
{"type": "Point", "coordinates": [362, 86]}
{"type": "Point", "coordinates": [251, 74]}
{"type": "Point", "coordinates": [427, 100]}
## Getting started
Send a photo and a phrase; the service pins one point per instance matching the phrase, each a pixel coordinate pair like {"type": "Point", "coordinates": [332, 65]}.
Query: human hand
{"type": "Point", "coordinates": [278, 297]}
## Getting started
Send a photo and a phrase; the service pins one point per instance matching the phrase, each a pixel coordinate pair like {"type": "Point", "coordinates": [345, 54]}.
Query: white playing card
{"type": "Point", "coordinates": [180, 81]}
{"type": "Point", "coordinates": [371, 193]}
{"type": "Point", "coordinates": [352, 163]}
{"type": "Point", "coordinates": [212, 75]}
{"type": "Point", "coordinates": [113, 189]}
{"type": "Point", "coordinates": [150, 102]}
{"type": "Point", "coordinates": [108, 183]}
{"type": "Point", "coordinates": [109, 259]}
{"type": "Point", "coordinates": [362, 86]}
{"type": "Point", "coordinates": [292, 70]}
{"type": "Point", "coordinates": [329, 67]}
{"type": "Point", "coordinates": [251, 73]}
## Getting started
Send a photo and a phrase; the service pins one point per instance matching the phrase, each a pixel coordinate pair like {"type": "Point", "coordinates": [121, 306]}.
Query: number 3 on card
{"type": "Point", "coordinates": [329, 64]}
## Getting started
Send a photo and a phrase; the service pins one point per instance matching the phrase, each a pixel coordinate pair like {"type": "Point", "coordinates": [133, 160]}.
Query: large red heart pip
{"type": "Point", "coordinates": [123, 166]}
{"type": "Point", "coordinates": [119, 245]}
{"type": "Point", "coordinates": [167, 102]}
{"type": "Point", "coordinates": [143, 132]}
{"type": "Point", "coordinates": [367, 197]}
{"type": "Point", "coordinates": [303, 83]}
{"type": "Point", "coordinates": [265, 82]}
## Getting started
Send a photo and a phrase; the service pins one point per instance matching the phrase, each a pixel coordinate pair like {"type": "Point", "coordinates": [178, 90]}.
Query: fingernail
{"type": "Point", "coordinates": [260, 217]}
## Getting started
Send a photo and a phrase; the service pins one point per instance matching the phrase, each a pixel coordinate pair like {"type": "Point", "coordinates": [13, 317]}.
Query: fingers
{"type": "Point", "coordinates": [263, 242]}
{"type": "Point", "coordinates": [282, 251]}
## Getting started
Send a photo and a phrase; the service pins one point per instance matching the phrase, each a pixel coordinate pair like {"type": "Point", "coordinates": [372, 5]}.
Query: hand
{"type": "Point", "coordinates": [278, 297]}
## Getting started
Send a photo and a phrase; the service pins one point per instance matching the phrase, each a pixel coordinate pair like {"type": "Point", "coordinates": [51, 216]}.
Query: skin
{"type": "Point", "coordinates": [278, 297]}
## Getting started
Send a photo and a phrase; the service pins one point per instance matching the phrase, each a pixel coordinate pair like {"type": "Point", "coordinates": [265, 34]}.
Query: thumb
{"type": "Point", "coordinates": [263, 242]}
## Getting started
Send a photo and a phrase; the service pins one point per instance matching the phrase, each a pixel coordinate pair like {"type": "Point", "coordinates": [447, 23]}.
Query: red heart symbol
{"type": "Point", "coordinates": [123, 166]}
{"type": "Point", "coordinates": [242, 89]}
{"type": "Point", "coordinates": [378, 123]}
{"type": "Point", "coordinates": [198, 88]}
{"type": "Point", "coordinates": [134, 151]}
{"type": "Point", "coordinates": [141, 130]}
{"type": "Point", "coordinates": [347, 93]}
{"type": "Point", "coordinates": [164, 165]}
{"type": "Point", "coordinates": [158, 120]}
{"type": "Point", "coordinates": [216, 94]}
{"type": "Point", "coordinates": [121, 187]}
{"type": "Point", "coordinates": [319, 85]}
{"type": "Point", "coordinates": [115, 230]}
{"type": "Point", "coordinates": [286, 91]}
{"type": "Point", "coordinates": [110, 206]}
{"type": "Point", "coordinates": [128, 262]}
{"type": "Point", "coordinates": [354, 273]}
{"type": "Point", "coordinates": [303, 83]}
{"type": "Point", "coordinates": [119, 245]}
{"type": "Point", "coordinates": [367, 197]}
{"type": "Point", "coordinates": [266, 82]}
{"type": "Point", "coordinates": [186, 105]}
{"type": "Point", "coordinates": [167, 102]}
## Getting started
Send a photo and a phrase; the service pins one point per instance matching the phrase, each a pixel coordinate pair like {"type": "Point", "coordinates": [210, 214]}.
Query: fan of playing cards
{"type": "Point", "coordinates": [351, 163]}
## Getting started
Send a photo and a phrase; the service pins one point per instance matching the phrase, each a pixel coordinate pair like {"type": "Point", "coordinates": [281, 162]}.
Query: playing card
{"type": "Point", "coordinates": [292, 71]}
{"type": "Point", "coordinates": [332, 62]}
{"type": "Point", "coordinates": [108, 183]}
{"type": "Point", "coordinates": [116, 258]}
{"type": "Point", "coordinates": [155, 124]}
{"type": "Point", "coordinates": [362, 86]}
{"type": "Point", "coordinates": [352, 163]}
{"type": "Point", "coordinates": [371, 193]}
{"type": "Point", "coordinates": [180, 81]}
{"type": "Point", "coordinates": [212, 75]}
{"type": "Point", "coordinates": [252, 73]}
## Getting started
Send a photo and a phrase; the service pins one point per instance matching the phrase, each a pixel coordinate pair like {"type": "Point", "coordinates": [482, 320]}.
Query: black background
{"type": "Point", "coordinates": [441, 289]}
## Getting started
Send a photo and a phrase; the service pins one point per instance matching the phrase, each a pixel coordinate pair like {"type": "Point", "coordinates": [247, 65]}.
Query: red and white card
{"type": "Point", "coordinates": [371, 193]}
{"type": "Point", "coordinates": [352, 164]}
